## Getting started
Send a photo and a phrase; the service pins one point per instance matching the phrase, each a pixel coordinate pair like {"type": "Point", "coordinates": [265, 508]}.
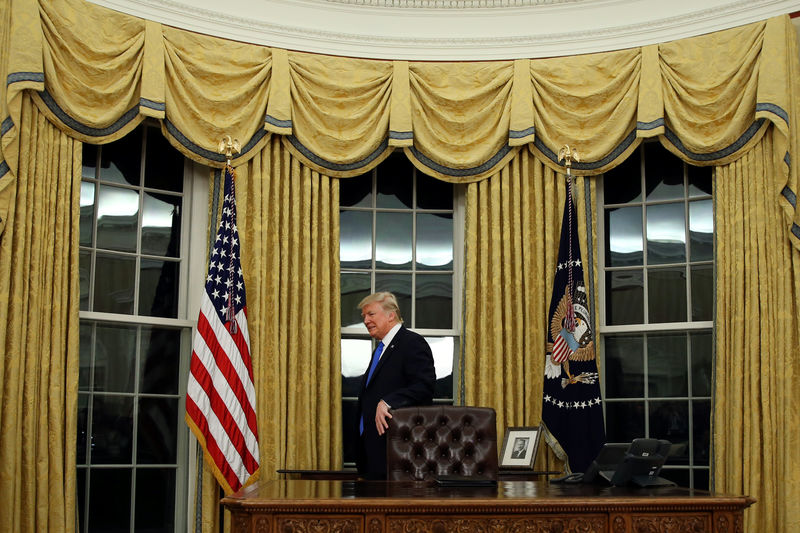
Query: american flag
{"type": "Point", "coordinates": [220, 396]}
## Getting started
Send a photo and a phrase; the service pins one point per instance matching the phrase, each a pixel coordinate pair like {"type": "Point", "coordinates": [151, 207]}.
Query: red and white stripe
{"type": "Point", "coordinates": [561, 350]}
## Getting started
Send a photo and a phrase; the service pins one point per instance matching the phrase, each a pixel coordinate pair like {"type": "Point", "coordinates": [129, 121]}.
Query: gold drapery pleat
{"type": "Point", "coordinates": [707, 98]}
{"type": "Point", "coordinates": [513, 224]}
{"type": "Point", "coordinates": [39, 332]}
{"type": "Point", "coordinates": [757, 337]}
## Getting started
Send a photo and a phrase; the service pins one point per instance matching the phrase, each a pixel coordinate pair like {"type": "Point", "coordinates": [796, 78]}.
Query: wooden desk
{"type": "Point", "coordinates": [350, 474]}
{"type": "Point", "coordinates": [326, 506]}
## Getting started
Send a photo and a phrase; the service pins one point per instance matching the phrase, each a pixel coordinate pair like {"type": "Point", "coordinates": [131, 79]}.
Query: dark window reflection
{"type": "Point", "coordinates": [163, 168]}
{"type": "Point", "coordinates": [121, 161]}
{"type": "Point", "coordinates": [679, 476]}
{"type": "Point", "coordinates": [623, 369]}
{"type": "Point", "coordinates": [702, 292]}
{"type": "Point", "coordinates": [670, 420]}
{"type": "Point", "coordinates": [161, 224]}
{"type": "Point", "coordinates": [112, 430]}
{"type": "Point", "coordinates": [110, 500]}
{"type": "Point", "coordinates": [701, 420]}
{"type": "Point", "coordinates": [155, 500]}
{"type": "Point", "coordinates": [667, 369]}
{"type": "Point", "coordinates": [623, 236]}
{"type": "Point", "coordinates": [702, 363]}
{"type": "Point", "coordinates": [433, 193]}
{"type": "Point", "coordinates": [158, 288]}
{"type": "Point", "coordinates": [160, 359]}
{"type": "Point", "coordinates": [354, 286]}
{"type": "Point", "coordinates": [85, 274]}
{"type": "Point", "coordinates": [157, 431]}
{"type": "Point", "coordinates": [87, 213]}
{"type": "Point", "coordinates": [624, 297]}
{"type": "Point", "coordinates": [623, 183]}
{"type": "Point", "coordinates": [434, 301]}
{"type": "Point", "coordinates": [701, 478]}
{"type": "Point", "coordinates": [356, 191]}
{"type": "Point", "coordinates": [89, 161]}
{"type": "Point", "coordinates": [400, 286]}
{"type": "Point", "coordinates": [85, 370]}
{"type": "Point", "coordinates": [624, 421]}
{"type": "Point", "coordinates": [81, 484]}
{"type": "Point", "coordinates": [395, 182]}
{"type": "Point", "coordinates": [115, 276]}
{"type": "Point", "coordinates": [700, 183]}
{"type": "Point", "coordinates": [666, 296]}
{"type": "Point", "coordinates": [663, 173]}
{"type": "Point", "coordinates": [114, 358]}
{"type": "Point", "coordinates": [83, 429]}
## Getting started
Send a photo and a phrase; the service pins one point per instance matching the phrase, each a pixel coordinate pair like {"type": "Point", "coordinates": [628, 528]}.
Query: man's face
{"type": "Point", "coordinates": [377, 320]}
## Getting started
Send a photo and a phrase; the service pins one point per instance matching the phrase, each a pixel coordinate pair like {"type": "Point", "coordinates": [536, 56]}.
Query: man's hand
{"type": "Point", "coordinates": [381, 414]}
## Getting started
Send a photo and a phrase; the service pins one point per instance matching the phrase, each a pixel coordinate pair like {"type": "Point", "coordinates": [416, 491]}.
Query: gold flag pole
{"type": "Point", "coordinates": [228, 147]}
{"type": "Point", "coordinates": [568, 154]}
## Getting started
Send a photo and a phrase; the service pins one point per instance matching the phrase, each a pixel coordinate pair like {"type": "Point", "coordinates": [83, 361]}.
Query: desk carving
{"type": "Point", "coordinates": [302, 506]}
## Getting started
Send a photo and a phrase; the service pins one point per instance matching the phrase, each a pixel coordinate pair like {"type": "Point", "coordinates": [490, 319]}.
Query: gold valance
{"type": "Point", "coordinates": [97, 73]}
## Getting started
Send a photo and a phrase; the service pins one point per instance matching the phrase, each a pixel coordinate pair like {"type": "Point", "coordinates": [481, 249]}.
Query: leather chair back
{"type": "Point", "coordinates": [423, 442]}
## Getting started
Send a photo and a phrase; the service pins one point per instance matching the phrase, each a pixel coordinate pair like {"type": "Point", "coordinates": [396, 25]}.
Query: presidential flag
{"type": "Point", "coordinates": [572, 411]}
{"type": "Point", "coordinates": [220, 396]}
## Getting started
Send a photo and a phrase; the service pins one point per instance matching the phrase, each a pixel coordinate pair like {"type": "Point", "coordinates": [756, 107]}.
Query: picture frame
{"type": "Point", "coordinates": [520, 445]}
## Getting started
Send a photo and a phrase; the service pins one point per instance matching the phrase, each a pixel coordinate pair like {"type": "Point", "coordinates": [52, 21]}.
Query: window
{"type": "Point", "coordinates": [134, 335]}
{"type": "Point", "coordinates": [657, 318]}
{"type": "Point", "coordinates": [399, 232]}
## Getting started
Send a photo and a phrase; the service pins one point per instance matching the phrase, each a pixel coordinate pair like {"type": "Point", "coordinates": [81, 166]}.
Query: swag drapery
{"type": "Point", "coordinates": [305, 119]}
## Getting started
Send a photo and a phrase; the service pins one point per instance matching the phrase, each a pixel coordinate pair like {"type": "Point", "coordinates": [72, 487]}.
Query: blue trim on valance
{"type": "Point", "coordinates": [4, 169]}
{"type": "Point", "coordinates": [401, 135]}
{"type": "Point", "coordinates": [6, 126]}
{"type": "Point", "coordinates": [519, 134]}
{"type": "Point", "coordinates": [790, 196]}
{"type": "Point", "coordinates": [51, 104]}
{"type": "Point", "coordinates": [796, 230]}
{"type": "Point", "coordinates": [269, 119]}
{"type": "Point", "coordinates": [615, 153]}
{"type": "Point", "coordinates": [337, 166]}
{"type": "Point", "coordinates": [16, 77]}
{"type": "Point", "coordinates": [719, 154]}
{"type": "Point", "coordinates": [775, 110]}
{"type": "Point", "coordinates": [461, 172]}
{"type": "Point", "coordinates": [152, 104]}
{"type": "Point", "coordinates": [208, 154]}
{"type": "Point", "coordinates": [644, 126]}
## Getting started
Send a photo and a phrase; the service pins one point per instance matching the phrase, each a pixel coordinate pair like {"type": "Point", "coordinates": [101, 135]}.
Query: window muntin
{"type": "Point", "coordinates": [656, 324]}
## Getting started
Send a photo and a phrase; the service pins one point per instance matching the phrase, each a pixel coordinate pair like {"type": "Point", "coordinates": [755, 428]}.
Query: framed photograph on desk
{"type": "Point", "coordinates": [519, 447]}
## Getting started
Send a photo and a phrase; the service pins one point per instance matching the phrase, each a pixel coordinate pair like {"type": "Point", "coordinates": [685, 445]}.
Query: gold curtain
{"type": "Point", "coordinates": [757, 337]}
{"type": "Point", "coordinates": [39, 299]}
{"type": "Point", "coordinates": [513, 224]}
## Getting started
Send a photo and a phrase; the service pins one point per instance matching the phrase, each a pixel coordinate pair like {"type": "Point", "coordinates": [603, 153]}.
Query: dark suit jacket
{"type": "Point", "coordinates": [404, 377]}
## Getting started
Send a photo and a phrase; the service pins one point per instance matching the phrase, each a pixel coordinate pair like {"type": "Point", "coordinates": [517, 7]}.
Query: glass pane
{"type": "Point", "coordinates": [701, 478]}
{"type": "Point", "coordinates": [667, 369]}
{"type": "Point", "coordinates": [112, 429]}
{"type": "Point", "coordinates": [701, 230]}
{"type": "Point", "coordinates": [393, 240]}
{"type": "Point", "coordinates": [355, 286]}
{"type": "Point", "coordinates": [395, 181]}
{"type": "Point", "coordinates": [356, 354]}
{"type": "Point", "coordinates": [435, 241]}
{"type": "Point", "coordinates": [87, 213]}
{"type": "Point", "coordinates": [670, 420]}
{"type": "Point", "coordinates": [155, 500]}
{"type": "Point", "coordinates": [663, 173]}
{"type": "Point", "coordinates": [110, 500]}
{"type": "Point", "coordinates": [624, 421]}
{"type": "Point", "coordinates": [85, 275]}
{"type": "Point", "coordinates": [355, 239]}
{"type": "Point", "coordinates": [679, 476]}
{"type": "Point", "coordinates": [433, 193]}
{"type": "Point", "coordinates": [121, 161]}
{"type": "Point", "coordinates": [666, 234]}
{"type": "Point", "coordinates": [702, 292]}
{"type": "Point", "coordinates": [666, 295]}
{"type": "Point", "coordinates": [349, 427]}
{"type": "Point", "coordinates": [89, 161]}
{"type": "Point", "coordinates": [400, 286]}
{"type": "Point", "coordinates": [623, 367]}
{"type": "Point", "coordinates": [443, 349]}
{"type": "Point", "coordinates": [158, 288]}
{"type": "Point", "coordinates": [114, 358]}
{"type": "Point", "coordinates": [114, 281]}
{"type": "Point", "coordinates": [702, 363]}
{"type": "Point", "coordinates": [161, 352]}
{"type": "Point", "coordinates": [163, 166]}
{"type": "Point", "coordinates": [434, 301]}
{"type": "Point", "coordinates": [356, 192]}
{"type": "Point", "coordinates": [624, 236]}
{"type": "Point", "coordinates": [85, 358]}
{"type": "Point", "coordinates": [699, 181]}
{"type": "Point", "coordinates": [161, 224]}
{"type": "Point", "coordinates": [623, 183]}
{"type": "Point", "coordinates": [81, 483]}
{"type": "Point", "coordinates": [117, 218]}
{"type": "Point", "coordinates": [157, 431]}
{"type": "Point", "coordinates": [624, 297]}
{"type": "Point", "coordinates": [701, 431]}
{"type": "Point", "coordinates": [83, 422]}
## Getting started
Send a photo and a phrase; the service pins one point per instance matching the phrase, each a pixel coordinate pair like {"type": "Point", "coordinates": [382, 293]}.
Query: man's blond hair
{"type": "Point", "coordinates": [387, 300]}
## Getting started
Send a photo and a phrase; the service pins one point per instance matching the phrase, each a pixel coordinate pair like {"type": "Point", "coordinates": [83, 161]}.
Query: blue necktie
{"type": "Point", "coordinates": [376, 356]}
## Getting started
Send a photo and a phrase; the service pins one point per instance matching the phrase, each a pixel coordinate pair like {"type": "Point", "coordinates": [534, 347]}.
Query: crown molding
{"type": "Point", "coordinates": [453, 30]}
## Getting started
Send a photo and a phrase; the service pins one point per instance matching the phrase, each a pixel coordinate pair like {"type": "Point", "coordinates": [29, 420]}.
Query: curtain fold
{"type": "Point", "coordinates": [513, 223]}
{"type": "Point", "coordinates": [39, 332]}
{"type": "Point", "coordinates": [757, 336]}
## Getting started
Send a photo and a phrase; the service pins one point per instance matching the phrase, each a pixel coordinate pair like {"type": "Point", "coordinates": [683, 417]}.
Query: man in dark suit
{"type": "Point", "coordinates": [400, 374]}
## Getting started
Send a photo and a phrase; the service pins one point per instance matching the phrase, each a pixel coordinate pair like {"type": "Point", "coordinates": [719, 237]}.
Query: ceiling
{"type": "Point", "coordinates": [445, 30]}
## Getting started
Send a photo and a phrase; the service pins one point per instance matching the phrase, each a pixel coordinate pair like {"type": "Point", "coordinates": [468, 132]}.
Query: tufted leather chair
{"type": "Point", "coordinates": [423, 442]}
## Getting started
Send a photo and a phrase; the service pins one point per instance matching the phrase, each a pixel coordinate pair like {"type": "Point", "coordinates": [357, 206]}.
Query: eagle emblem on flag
{"type": "Point", "coordinates": [571, 342]}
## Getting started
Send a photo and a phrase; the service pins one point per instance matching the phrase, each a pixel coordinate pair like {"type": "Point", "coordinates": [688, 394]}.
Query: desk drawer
{"type": "Point", "coordinates": [585, 523]}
